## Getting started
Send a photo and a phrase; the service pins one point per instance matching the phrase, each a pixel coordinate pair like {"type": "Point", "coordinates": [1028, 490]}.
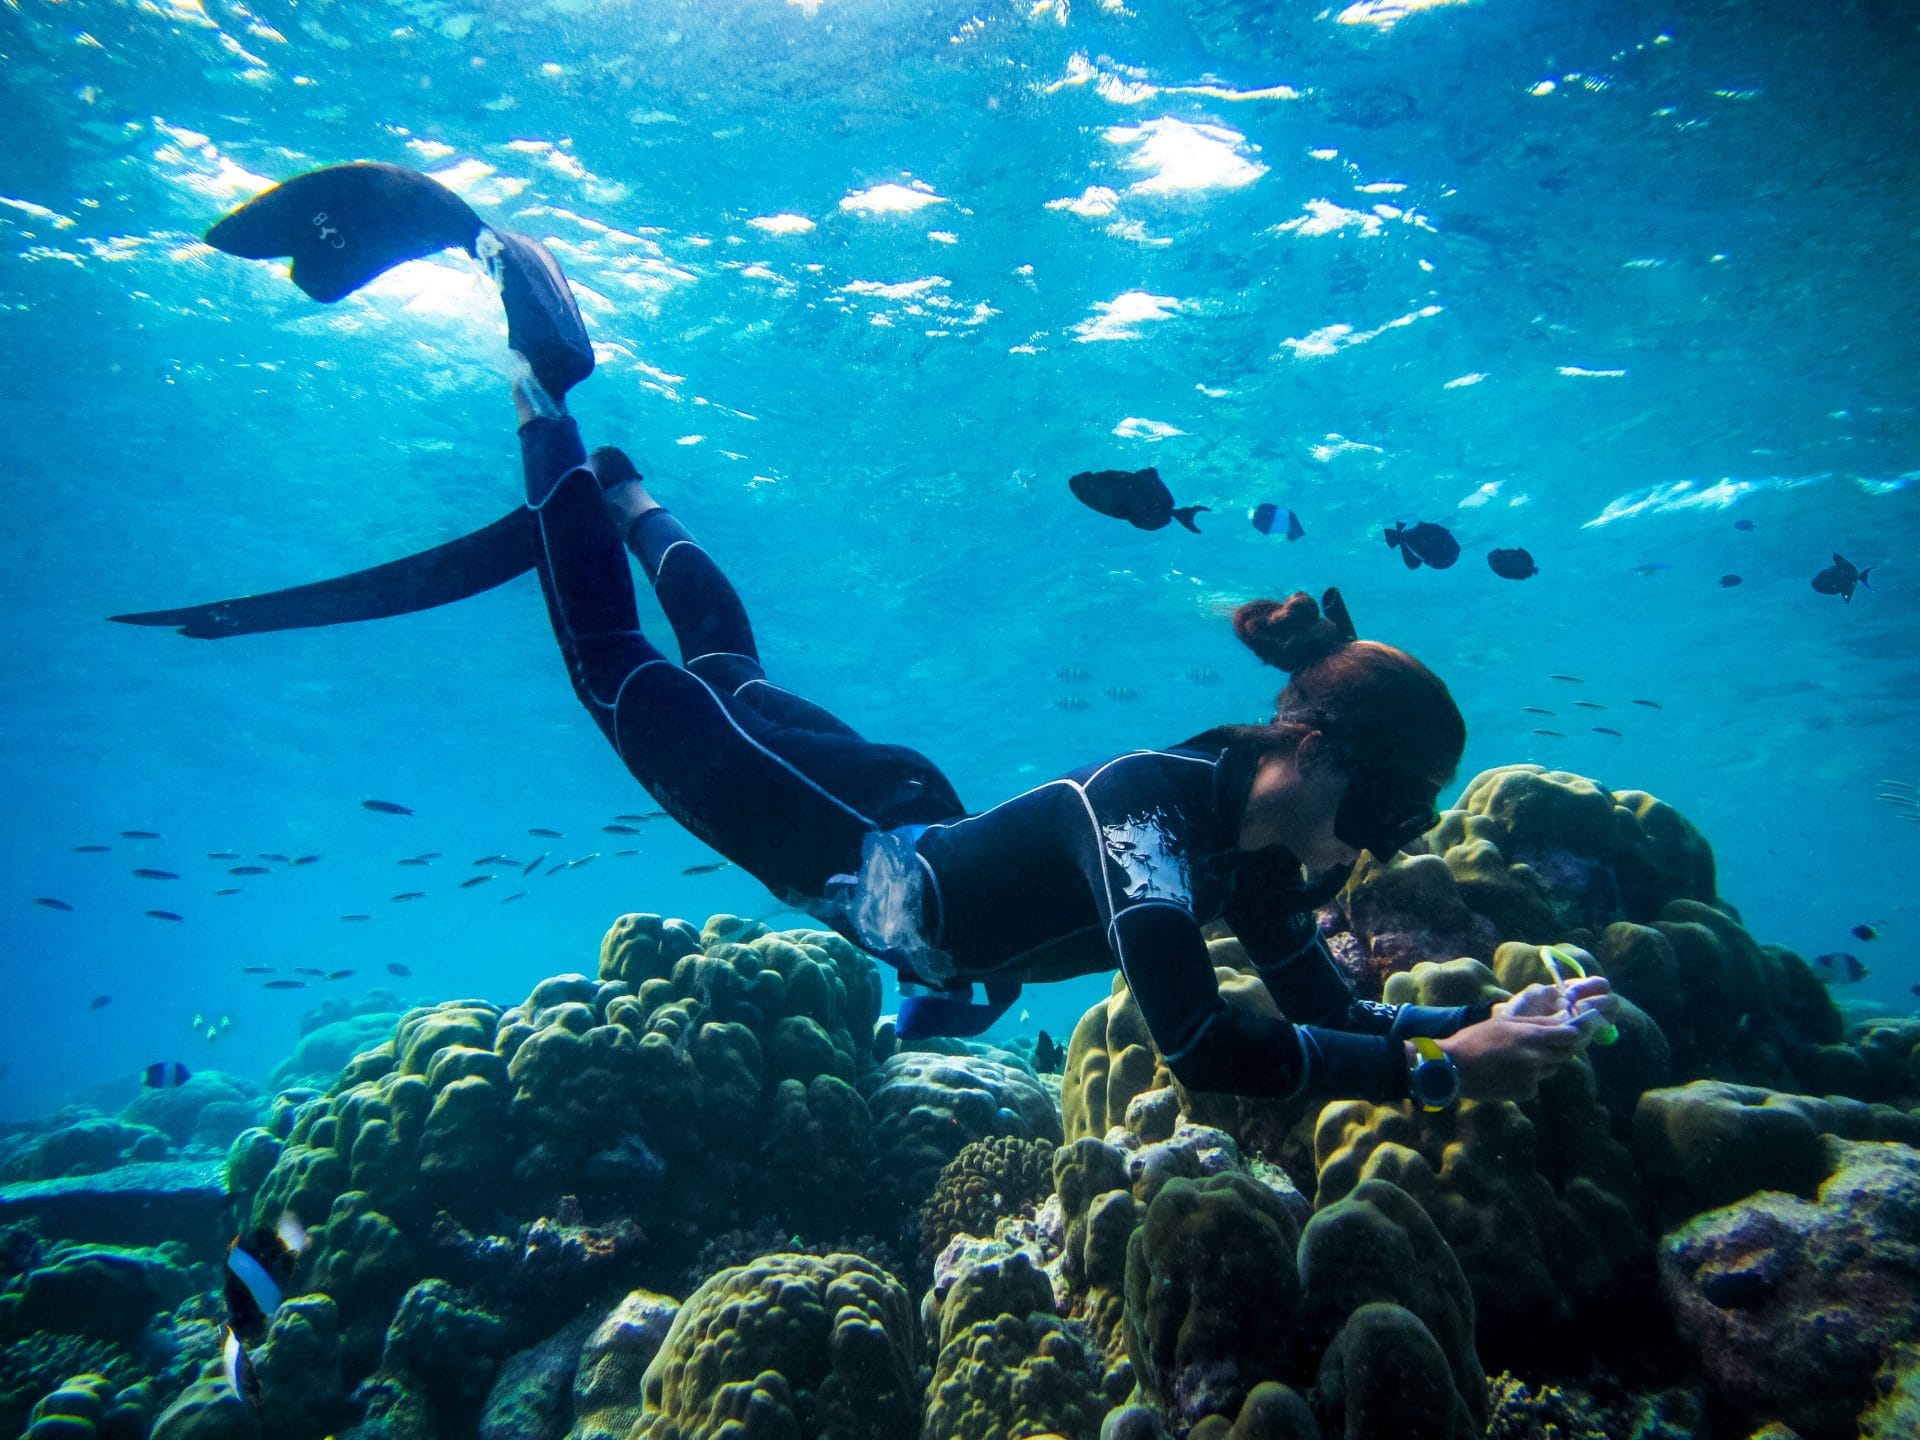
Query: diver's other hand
{"type": "Point", "coordinates": [1568, 1000]}
{"type": "Point", "coordinates": [1506, 1057]}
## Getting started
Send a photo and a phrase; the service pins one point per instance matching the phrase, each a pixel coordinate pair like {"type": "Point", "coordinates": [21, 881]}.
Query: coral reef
{"type": "Point", "coordinates": [609, 1380]}
{"type": "Point", "coordinates": [792, 1345]}
{"type": "Point", "coordinates": [987, 1180]}
{"type": "Point", "coordinates": [928, 1104]}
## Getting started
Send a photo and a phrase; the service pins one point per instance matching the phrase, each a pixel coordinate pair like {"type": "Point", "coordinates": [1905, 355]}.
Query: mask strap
{"type": "Point", "coordinates": [1335, 609]}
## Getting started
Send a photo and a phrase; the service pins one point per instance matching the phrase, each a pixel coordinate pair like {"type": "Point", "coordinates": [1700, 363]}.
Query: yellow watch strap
{"type": "Point", "coordinates": [1427, 1048]}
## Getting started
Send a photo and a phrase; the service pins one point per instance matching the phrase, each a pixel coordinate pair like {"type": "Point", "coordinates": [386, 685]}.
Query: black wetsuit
{"type": "Point", "coordinates": [1119, 862]}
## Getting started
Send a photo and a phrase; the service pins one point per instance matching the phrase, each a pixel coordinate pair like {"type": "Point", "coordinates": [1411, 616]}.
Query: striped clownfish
{"type": "Point", "coordinates": [260, 1264]}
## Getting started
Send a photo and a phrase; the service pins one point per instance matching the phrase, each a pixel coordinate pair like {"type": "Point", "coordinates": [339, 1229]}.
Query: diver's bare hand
{"type": "Point", "coordinates": [1506, 1057]}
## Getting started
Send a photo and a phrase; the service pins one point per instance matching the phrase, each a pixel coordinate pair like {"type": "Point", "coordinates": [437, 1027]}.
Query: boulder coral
{"type": "Point", "coordinates": [987, 1180]}
{"type": "Point", "coordinates": [796, 1346]}
{"type": "Point", "coordinates": [1525, 854]}
{"type": "Point", "coordinates": [89, 1407]}
{"type": "Point", "coordinates": [928, 1104]}
{"type": "Point", "coordinates": [1790, 1307]}
{"type": "Point", "coordinates": [1540, 1203]}
{"type": "Point", "coordinates": [1211, 1291]}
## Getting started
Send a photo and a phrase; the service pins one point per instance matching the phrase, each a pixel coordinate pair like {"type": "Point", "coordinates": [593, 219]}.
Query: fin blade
{"type": "Point", "coordinates": [488, 557]}
{"type": "Point", "coordinates": [345, 224]}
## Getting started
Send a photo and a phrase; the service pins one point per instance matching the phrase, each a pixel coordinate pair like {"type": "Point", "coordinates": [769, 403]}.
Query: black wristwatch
{"type": "Point", "coordinates": [1432, 1080]}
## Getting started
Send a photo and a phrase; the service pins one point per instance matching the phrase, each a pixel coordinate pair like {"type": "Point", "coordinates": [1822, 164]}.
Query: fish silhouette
{"type": "Point", "coordinates": [1840, 578]}
{"type": "Point", "coordinates": [1425, 543]}
{"type": "Point", "coordinates": [1138, 497]}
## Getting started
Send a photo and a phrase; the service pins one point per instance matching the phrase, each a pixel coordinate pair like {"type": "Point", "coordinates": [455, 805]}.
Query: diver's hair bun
{"type": "Point", "coordinates": [1288, 634]}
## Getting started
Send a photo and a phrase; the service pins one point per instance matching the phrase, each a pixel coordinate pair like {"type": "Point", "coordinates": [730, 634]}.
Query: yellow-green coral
{"type": "Point", "coordinates": [790, 1346]}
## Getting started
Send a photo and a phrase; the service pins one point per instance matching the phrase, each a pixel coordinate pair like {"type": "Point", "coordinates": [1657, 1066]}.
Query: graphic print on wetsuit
{"type": "Point", "coordinates": [1148, 849]}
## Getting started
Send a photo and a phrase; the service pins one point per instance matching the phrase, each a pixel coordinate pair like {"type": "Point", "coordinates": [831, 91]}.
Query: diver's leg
{"type": "Point", "coordinates": [583, 570]}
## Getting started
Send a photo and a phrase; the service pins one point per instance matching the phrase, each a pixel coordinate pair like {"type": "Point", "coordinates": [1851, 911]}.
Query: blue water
{"type": "Point", "coordinates": [1595, 280]}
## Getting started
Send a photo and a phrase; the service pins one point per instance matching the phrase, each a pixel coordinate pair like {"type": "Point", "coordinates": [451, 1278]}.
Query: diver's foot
{"type": "Point", "coordinates": [543, 320]}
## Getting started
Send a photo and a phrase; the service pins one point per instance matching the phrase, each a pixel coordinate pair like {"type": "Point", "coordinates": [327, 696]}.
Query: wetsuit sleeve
{"type": "Point", "coordinates": [1272, 914]}
{"type": "Point", "coordinates": [1134, 855]}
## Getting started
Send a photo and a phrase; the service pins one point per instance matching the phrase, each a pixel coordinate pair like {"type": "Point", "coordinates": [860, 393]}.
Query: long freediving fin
{"type": "Point", "coordinates": [488, 557]}
{"type": "Point", "coordinates": [345, 224]}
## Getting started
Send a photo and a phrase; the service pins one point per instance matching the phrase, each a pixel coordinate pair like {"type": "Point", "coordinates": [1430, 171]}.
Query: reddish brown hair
{"type": "Point", "coordinates": [1373, 698]}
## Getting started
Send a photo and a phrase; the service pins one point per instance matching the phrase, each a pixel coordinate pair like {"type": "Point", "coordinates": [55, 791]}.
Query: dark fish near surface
{"type": "Point", "coordinates": [1534, 710]}
{"type": "Point", "coordinates": [1570, 679]}
{"type": "Point", "coordinates": [308, 970]}
{"type": "Point", "coordinates": [1839, 968]}
{"type": "Point", "coordinates": [1558, 735]}
{"type": "Point", "coordinates": [1266, 515]}
{"type": "Point", "coordinates": [91, 849]}
{"type": "Point", "coordinates": [385, 807]}
{"type": "Point", "coordinates": [394, 967]}
{"type": "Point", "coordinates": [99, 1002]}
{"type": "Point", "coordinates": [166, 1075]}
{"type": "Point", "coordinates": [1589, 704]}
{"type": "Point", "coordinates": [706, 869]}
{"type": "Point", "coordinates": [1840, 578]}
{"type": "Point", "coordinates": [1072, 674]}
{"type": "Point", "coordinates": [624, 853]}
{"type": "Point", "coordinates": [1727, 582]}
{"type": "Point", "coordinates": [285, 985]}
{"type": "Point", "coordinates": [586, 859]}
{"type": "Point", "coordinates": [1425, 543]}
{"type": "Point", "coordinates": [1650, 704]}
{"type": "Point", "coordinates": [475, 880]}
{"type": "Point", "coordinates": [139, 834]}
{"type": "Point", "coordinates": [495, 860]}
{"type": "Point", "coordinates": [146, 874]}
{"type": "Point", "coordinates": [231, 890]}
{"type": "Point", "coordinates": [164, 915]}
{"type": "Point", "coordinates": [305, 859]}
{"type": "Point", "coordinates": [556, 869]}
{"type": "Point", "coordinates": [535, 863]}
{"type": "Point", "coordinates": [338, 974]}
{"type": "Point", "coordinates": [1652, 567]}
{"type": "Point", "coordinates": [621, 829]}
{"type": "Point", "coordinates": [1743, 524]}
{"type": "Point", "coordinates": [1866, 932]}
{"type": "Point", "coordinates": [223, 855]}
{"type": "Point", "coordinates": [517, 895]}
{"type": "Point", "coordinates": [356, 917]}
{"type": "Point", "coordinates": [411, 895]}
{"type": "Point", "coordinates": [51, 903]}
{"type": "Point", "coordinates": [1605, 730]}
{"type": "Point", "coordinates": [1069, 702]}
{"type": "Point", "coordinates": [1515, 564]}
{"type": "Point", "coordinates": [416, 860]}
{"type": "Point", "coordinates": [257, 969]}
{"type": "Point", "coordinates": [1138, 497]}
{"type": "Point", "coordinates": [1203, 675]}
{"type": "Point", "coordinates": [1122, 693]}
{"type": "Point", "coordinates": [546, 834]}
{"type": "Point", "coordinates": [249, 870]}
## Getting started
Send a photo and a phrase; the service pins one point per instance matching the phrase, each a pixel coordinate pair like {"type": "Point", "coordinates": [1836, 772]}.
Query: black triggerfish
{"type": "Point", "coordinates": [1515, 564]}
{"type": "Point", "coordinates": [1425, 542]}
{"type": "Point", "coordinates": [1840, 578]}
{"type": "Point", "coordinates": [1138, 497]}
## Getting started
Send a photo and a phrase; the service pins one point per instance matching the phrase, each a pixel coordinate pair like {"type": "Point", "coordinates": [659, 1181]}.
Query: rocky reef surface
{"type": "Point", "coordinates": [700, 1192]}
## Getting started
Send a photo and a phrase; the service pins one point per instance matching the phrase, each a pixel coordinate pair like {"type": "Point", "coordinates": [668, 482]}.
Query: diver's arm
{"type": "Point", "coordinates": [1211, 1045]}
{"type": "Point", "coordinates": [1273, 917]}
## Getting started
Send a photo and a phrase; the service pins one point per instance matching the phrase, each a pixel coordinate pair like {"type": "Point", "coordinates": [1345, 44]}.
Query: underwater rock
{"type": "Point", "coordinates": [324, 1050]}
{"type": "Point", "coordinates": [1708, 1144]}
{"type": "Point", "coordinates": [134, 1205]}
{"type": "Point", "coordinates": [608, 1381]}
{"type": "Point", "coordinates": [1211, 1291]}
{"type": "Point", "coordinates": [811, 1347]}
{"type": "Point", "coordinates": [89, 1407]}
{"type": "Point", "coordinates": [302, 1391]}
{"type": "Point", "coordinates": [1387, 1376]}
{"type": "Point", "coordinates": [1378, 1246]}
{"type": "Point", "coordinates": [85, 1146]}
{"type": "Point", "coordinates": [435, 1370]}
{"type": "Point", "coordinates": [208, 1409]}
{"type": "Point", "coordinates": [176, 1111]}
{"type": "Point", "coordinates": [1790, 1307]}
{"type": "Point", "coordinates": [532, 1395]}
{"type": "Point", "coordinates": [1896, 1414]}
{"type": "Point", "coordinates": [986, 1181]}
{"type": "Point", "coordinates": [1272, 1411]}
{"type": "Point", "coordinates": [102, 1291]}
{"type": "Point", "coordinates": [928, 1105]}
{"type": "Point", "coordinates": [1025, 1375]}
